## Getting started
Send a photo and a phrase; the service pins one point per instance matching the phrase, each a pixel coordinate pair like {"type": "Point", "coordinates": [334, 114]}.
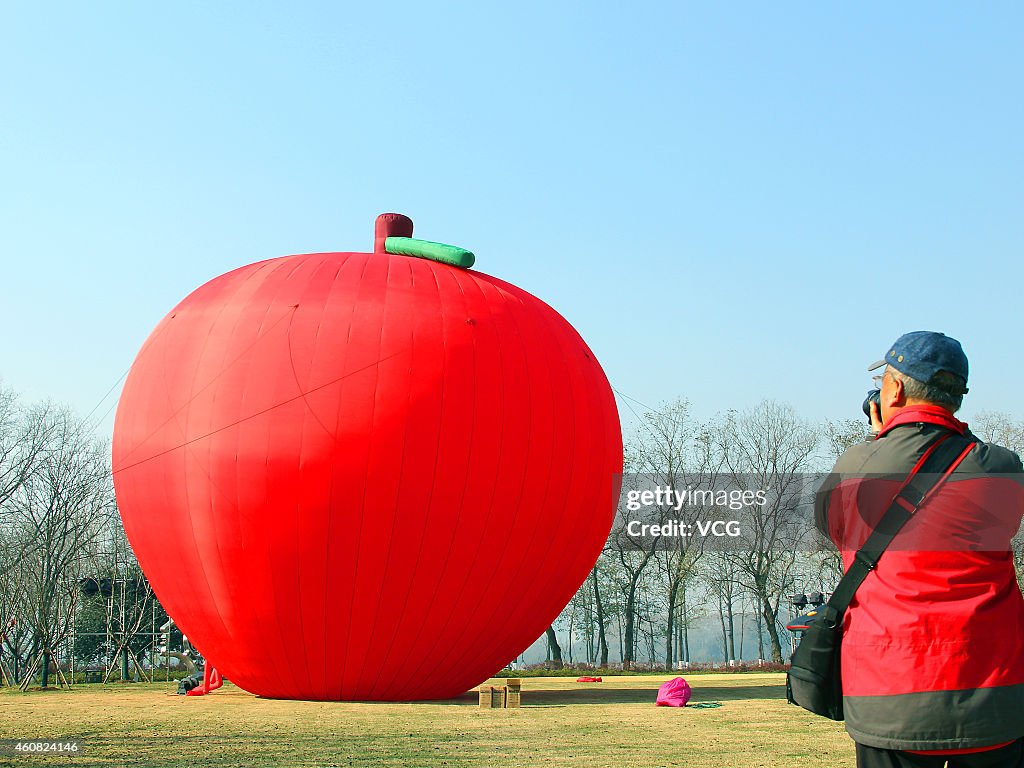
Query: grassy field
{"type": "Point", "coordinates": [604, 725]}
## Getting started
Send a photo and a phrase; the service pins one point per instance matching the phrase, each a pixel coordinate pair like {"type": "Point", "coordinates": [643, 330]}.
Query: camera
{"type": "Point", "coordinates": [874, 396]}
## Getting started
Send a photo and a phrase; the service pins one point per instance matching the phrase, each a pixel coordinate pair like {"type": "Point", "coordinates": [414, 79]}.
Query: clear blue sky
{"type": "Point", "coordinates": [729, 201]}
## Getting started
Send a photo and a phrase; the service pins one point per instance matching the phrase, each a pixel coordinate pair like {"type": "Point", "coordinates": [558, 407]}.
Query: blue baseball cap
{"type": "Point", "coordinates": [922, 354]}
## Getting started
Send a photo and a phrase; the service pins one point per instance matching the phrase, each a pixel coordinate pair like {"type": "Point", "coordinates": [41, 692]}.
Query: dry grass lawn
{"type": "Point", "coordinates": [601, 725]}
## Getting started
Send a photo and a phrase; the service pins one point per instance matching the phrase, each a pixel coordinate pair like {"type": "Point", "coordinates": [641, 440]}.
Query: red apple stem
{"type": "Point", "coordinates": [390, 225]}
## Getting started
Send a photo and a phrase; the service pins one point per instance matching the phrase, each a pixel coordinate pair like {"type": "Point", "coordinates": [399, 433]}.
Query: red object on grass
{"type": "Point", "coordinates": [589, 680]}
{"type": "Point", "coordinates": [365, 476]}
{"type": "Point", "coordinates": [675, 693]}
{"type": "Point", "coordinates": [211, 682]}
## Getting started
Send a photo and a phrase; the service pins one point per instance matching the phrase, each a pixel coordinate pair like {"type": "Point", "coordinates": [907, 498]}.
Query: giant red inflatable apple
{"type": "Point", "coordinates": [365, 475]}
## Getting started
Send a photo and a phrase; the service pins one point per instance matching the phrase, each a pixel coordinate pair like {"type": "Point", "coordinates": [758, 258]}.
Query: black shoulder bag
{"type": "Point", "coordinates": [814, 681]}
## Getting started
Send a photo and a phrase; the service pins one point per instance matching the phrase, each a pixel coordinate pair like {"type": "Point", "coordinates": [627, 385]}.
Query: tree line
{"type": "Point", "coordinates": [70, 585]}
{"type": "Point", "coordinates": [645, 600]}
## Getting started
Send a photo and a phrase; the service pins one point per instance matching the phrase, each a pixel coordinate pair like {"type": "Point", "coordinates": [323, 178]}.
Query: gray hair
{"type": "Point", "coordinates": [945, 389]}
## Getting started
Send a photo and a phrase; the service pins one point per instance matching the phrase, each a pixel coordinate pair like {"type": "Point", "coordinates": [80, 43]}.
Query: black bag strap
{"type": "Point", "coordinates": [938, 462]}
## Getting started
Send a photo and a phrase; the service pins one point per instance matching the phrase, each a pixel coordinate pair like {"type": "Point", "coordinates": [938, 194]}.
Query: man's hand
{"type": "Point", "coordinates": [876, 417]}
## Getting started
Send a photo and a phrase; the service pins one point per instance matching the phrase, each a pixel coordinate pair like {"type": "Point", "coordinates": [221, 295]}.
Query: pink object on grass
{"type": "Point", "coordinates": [675, 693]}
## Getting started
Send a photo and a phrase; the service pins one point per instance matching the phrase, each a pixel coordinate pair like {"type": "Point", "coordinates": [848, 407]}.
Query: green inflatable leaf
{"type": "Point", "coordinates": [424, 249]}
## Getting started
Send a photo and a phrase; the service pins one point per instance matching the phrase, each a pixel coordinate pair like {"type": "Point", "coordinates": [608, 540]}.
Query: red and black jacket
{"type": "Point", "coordinates": [933, 643]}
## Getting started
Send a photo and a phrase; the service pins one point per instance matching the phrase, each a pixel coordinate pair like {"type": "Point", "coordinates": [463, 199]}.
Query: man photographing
{"type": "Point", "coordinates": [933, 640]}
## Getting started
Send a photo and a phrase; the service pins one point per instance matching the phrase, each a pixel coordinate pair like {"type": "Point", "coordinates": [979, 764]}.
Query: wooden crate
{"type": "Point", "coordinates": [513, 693]}
{"type": "Point", "coordinates": [499, 693]}
{"type": "Point", "coordinates": [486, 697]}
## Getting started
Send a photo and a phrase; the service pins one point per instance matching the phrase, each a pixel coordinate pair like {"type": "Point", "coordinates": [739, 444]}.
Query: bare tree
{"type": "Point", "coordinates": [720, 576]}
{"type": "Point", "coordinates": [768, 448]}
{"type": "Point", "coordinates": [661, 453]}
{"type": "Point", "coordinates": [57, 512]}
{"type": "Point", "coordinates": [672, 449]}
{"type": "Point", "coordinates": [587, 616]}
{"type": "Point", "coordinates": [1001, 429]}
{"type": "Point", "coordinates": [843, 434]}
{"type": "Point", "coordinates": [24, 437]}
{"type": "Point", "coordinates": [677, 562]}
{"type": "Point", "coordinates": [606, 582]}
{"type": "Point", "coordinates": [600, 621]}
{"type": "Point", "coordinates": [554, 649]}
{"type": "Point", "coordinates": [633, 559]}
{"type": "Point", "coordinates": [689, 612]}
